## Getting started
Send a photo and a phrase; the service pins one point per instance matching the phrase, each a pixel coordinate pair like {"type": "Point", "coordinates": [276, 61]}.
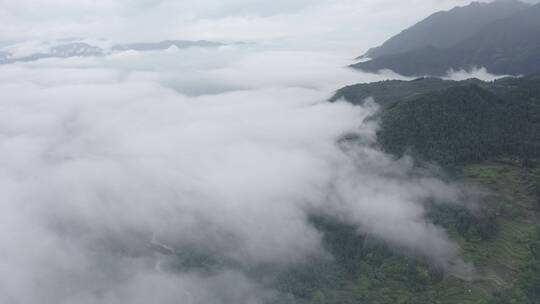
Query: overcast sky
{"type": "Point", "coordinates": [344, 25]}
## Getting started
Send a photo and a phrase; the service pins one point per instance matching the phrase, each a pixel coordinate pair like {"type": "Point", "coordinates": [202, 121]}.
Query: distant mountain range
{"type": "Point", "coordinates": [162, 45]}
{"type": "Point", "coordinates": [502, 36]}
{"type": "Point", "coordinates": [85, 49]}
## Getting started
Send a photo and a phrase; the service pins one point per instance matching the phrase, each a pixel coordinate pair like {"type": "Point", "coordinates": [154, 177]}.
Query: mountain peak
{"type": "Point", "coordinates": [447, 28]}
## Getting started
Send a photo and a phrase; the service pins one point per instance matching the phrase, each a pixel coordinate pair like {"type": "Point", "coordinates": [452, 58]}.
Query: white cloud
{"type": "Point", "coordinates": [103, 158]}
{"type": "Point", "coordinates": [107, 164]}
{"type": "Point", "coordinates": [479, 73]}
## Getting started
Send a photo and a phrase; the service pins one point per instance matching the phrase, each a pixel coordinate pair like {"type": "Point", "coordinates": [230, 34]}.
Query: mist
{"type": "Point", "coordinates": [117, 169]}
{"type": "Point", "coordinates": [190, 175]}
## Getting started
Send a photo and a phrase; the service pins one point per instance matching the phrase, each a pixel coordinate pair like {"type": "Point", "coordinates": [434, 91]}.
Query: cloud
{"type": "Point", "coordinates": [346, 26]}
{"type": "Point", "coordinates": [479, 73]}
{"type": "Point", "coordinates": [170, 175]}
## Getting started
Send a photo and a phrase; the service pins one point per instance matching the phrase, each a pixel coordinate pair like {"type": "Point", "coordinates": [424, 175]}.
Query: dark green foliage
{"type": "Point", "coordinates": [303, 282]}
{"type": "Point", "coordinates": [386, 93]}
{"type": "Point", "coordinates": [456, 122]}
{"type": "Point", "coordinates": [528, 163]}
{"type": "Point", "coordinates": [537, 194]}
{"type": "Point", "coordinates": [362, 270]}
{"type": "Point", "coordinates": [527, 288]}
{"type": "Point", "coordinates": [470, 125]}
{"type": "Point", "coordinates": [461, 124]}
{"type": "Point", "coordinates": [480, 225]}
{"type": "Point", "coordinates": [345, 243]}
{"type": "Point", "coordinates": [505, 251]}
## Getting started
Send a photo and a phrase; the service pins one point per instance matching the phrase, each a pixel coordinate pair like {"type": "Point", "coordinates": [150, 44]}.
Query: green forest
{"type": "Point", "coordinates": [481, 133]}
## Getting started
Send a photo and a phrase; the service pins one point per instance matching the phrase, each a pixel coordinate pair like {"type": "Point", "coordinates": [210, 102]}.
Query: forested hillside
{"type": "Point", "coordinates": [453, 122]}
{"type": "Point", "coordinates": [484, 134]}
{"type": "Point", "coordinates": [501, 238]}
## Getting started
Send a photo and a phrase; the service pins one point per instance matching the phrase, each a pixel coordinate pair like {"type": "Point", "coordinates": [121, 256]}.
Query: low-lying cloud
{"type": "Point", "coordinates": [475, 72]}
{"type": "Point", "coordinates": [167, 176]}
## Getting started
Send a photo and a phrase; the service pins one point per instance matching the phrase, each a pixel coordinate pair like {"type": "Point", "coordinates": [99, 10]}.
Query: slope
{"type": "Point", "coordinates": [447, 28]}
{"type": "Point", "coordinates": [507, 46]}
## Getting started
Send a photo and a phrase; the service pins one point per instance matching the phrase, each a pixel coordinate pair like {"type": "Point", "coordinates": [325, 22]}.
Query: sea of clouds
{"type": "Point", "coordinates": [116, 169]}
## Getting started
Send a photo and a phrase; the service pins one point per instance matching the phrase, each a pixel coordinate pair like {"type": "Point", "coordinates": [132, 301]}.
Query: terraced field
{"type": "Point", "coordinates": [499, 243]}
{"type": "Point", "coordinates": [501, 261]}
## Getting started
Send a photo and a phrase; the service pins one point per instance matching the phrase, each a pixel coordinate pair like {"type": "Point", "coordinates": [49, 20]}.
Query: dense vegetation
{"type": "Point", "coordinates": [387, 93]}
{"type": "Point", "coordinates": [453, 122]}
{"type": "Point", "coordinates": [501, 237]}
{"type": "Point", "coordinates": [481, 133]}
{"type": "Point", "coordinates": [527, 288]}
{"type": "Point", "coordinates": [364, 270]}
{"type": "Point", "coordinates": [487, 134]}
{"type": "Point", "coordinates": [507, 46]}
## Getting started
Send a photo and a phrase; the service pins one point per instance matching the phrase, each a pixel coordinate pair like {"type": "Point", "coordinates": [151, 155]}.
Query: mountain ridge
{"type": "Point", "coordinates": [508, 46]}
{"type": "Point", "coordinates": [446, 28]}
{"type": "Point", "coordinates": [65, 49]}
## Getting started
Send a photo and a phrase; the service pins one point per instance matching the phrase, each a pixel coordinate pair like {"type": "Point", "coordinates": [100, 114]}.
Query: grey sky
{"type": "Point", "coordinates": [327, 24]}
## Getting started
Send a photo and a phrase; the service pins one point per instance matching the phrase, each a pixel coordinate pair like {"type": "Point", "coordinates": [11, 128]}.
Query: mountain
{"type": "Point", "coordinates": [506, 46]}
{"type": "Point", "coordinates": [446, 29]}
{"type": "Point", "coordinates": [76, 49]}
{"type": "Point", "coordinates": [484, 134]}
{"type": "Point", "coordinates": [389, 92]}
{"type": "Point", "coordinates": [83, 49]}
{"type": "Point", "coordinates": [452, 122]}
{"type": "Point", "coordinates": [459, 124]}
{"type": "Point", "coordinates": [163, 45]}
